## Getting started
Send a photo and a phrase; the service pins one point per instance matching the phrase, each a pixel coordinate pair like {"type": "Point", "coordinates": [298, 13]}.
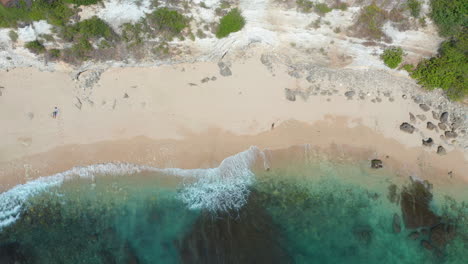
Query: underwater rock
{"type": "Point", "coordinates": [414, 235]}
{"type": "Point", "coordinates": [376, 164]}
{"type": "Point", "coordinates": [363, 234]}
{"type": "Point", "coordinates": [442, 126]}
{"type": "Point", "coordinates": [10, 254]}
{"type": "Point", "coordinates": [224, 69]}
{"type": "Point", "coordinates": [350, 94]}
{"type": "Point", "coordinates": [415, 209]}
{"type": "Point", "coordinates": [441, 235]}
{"type": "Point", "coordinates": [392, 194]}
{"type": "Point", "coordinates": [405, 127]}
{"type": "Point", "coordinates": [427, 245]}
{"type": "Point", "coordinates": [396, 223]}
{"type": "Point", "coordinates": [247, 236]}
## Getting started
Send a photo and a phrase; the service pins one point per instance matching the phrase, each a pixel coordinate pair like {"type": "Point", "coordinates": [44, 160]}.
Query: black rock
{"type": "Point", "coordinates": [450, 134]}
{"type": "Point", "coordinates": [431, 126]}
{"type": "Point", "coordinates": [376, 164]}
{"type": "Point", "coordinates": [427, 142]}
{"type": "Point", "coordinates": [424, 107]}
{"type": "Point", "coordinates": [435, 115]}
{"type": "Point", "coordinates": [415, 209]}
{"type": "Point", "coordinates": [405, 127]}
{"type": "Point", "coordinates": [444, 117]}
{"type": "Point", "coordinates": [441, 150]}
{"type": "Point", "coordinates": [396, 223]}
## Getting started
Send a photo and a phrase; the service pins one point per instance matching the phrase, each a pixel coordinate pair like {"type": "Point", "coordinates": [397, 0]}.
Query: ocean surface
{"type": "Point", "coordinates": [304, 211]}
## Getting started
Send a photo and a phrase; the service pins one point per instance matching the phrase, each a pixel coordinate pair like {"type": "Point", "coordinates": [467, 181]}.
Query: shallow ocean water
{"type": "Point", "coordinates": [319, 212]}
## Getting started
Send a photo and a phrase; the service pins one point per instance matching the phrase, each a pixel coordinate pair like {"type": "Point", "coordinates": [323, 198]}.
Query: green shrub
{"type": "Point", "coordinates": [54, 53]}
{"type": "Point", "coordinates": [13, 35]}
{"type": "Point", "coordinates": [392, 57]}
{"type": "Point", "coordinates": [370, 21]}
{"type": "Point", "coordinates": [322, 8]}
{"type": "Point", "coordinates": [304, 5]}
{"type": "Point", "coordinates": [415, 7]}
{"type": "Point", "coordinates": [448, 70]}
{"type": "Point", "coordinates": [35, 46]}
{"type": "Point", "coordinates": [449, 15]}
{"type": "Point", "coordinates": [408, 67]}
{"type": "Point", "coordinates": [340, 5]}
{"type": "Point", "coordinates": [168, 20]}
{"type": "Point", "coordinates": [84, 2]}
{"type": "Point", "coordinates": [81, 49]}
{"type": "Point", "coordinates": [132, 33]}
{"type": "Point", "coordinates": [231, 22]}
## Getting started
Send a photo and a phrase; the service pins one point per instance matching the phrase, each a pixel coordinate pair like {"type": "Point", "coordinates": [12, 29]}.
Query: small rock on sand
{"type": "Point", "coordinates": [412, 118]}
{"type": "Point", "coordinates": [350, 94]}
{"type": "Point", "coordinates": [444, 117]}
{"type": "Point", "coordinates": [421, 117]}
{"type": "Point", "coordinates": [431, 126]}
{"type": "Point", "coordinates": [396, 223]}
{"type": "Point", "coordinates": [435, 115]}
{"type": "Point", "coordinates": [405, 127]}
{"type": "Point", "coordinates": [424, 107]}
{"type": "Point", "coordinates": [428, 142]}
{"type": "Point", "coordinates": [450, 134]}
{"type": "Point", "coordinates": [441, 150]}
{"type": "Point", "coordinates": [442, 126]}
{"type": "Point", "coordinates": [206, 79]}
{"type": "Point", "coordinates": [290, 94]}
{"type": "Point", "coordinates": [224, 69]}
{"type": "Point", "coordinates": [376, 164]}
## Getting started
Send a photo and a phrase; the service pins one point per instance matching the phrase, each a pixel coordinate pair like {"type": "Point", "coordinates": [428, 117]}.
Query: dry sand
{"type": "Point", "coordinates": [167, 117]}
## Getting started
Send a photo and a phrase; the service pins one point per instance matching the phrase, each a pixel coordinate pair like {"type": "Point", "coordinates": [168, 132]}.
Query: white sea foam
{"type": "Point", "coordinates": [221, 188]}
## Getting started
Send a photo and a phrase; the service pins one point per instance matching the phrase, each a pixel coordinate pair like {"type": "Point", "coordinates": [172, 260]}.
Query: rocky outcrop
{"type": "Point", "coordinates": [421, 117]}
{"type": "Point", "coordinates": [363, 234]}
{"type": "Point", "coordinates": [405, 127]}
{"type": "Point", "coordinates": [415, 208]}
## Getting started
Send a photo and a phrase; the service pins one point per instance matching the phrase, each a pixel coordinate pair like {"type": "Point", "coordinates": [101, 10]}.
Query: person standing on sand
{"type": "Point", "coordinates": [55, 112]}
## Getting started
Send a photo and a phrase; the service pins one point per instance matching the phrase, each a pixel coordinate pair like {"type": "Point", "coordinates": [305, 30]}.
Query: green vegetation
{"type": "Point", "coordinates": [54, 53]}
{"type": "Point", "coordinates": [305, 5]}
{"type": "Point", "coordinates": [371, 20]}
{"type": "Point", "coordinates": [415, 7]}
{"type": "Point", "coordinates": [81, 49]}
{"type": "Point", "coordinates": [448, 70]}
{"type": "Point", "coordinates": [84, 2]}
{"type": "Point", "coordinates": [392, 57]}
{"type": "Point", "coordinates": [231, 22]}
{"type": "Point", "coordinates": [340, 5]}
{"type": "Point", "coordinates": [449, 15]}
{"type": "Point", "coordinates": [408, 67]}
{"type": "Point", "coordinates": [35, 47]}
{"type": "Point", "coordinates": [169, 21]}
{"type": "Point", "coordinates": [13, 35]}
{"type": "Point", "coordinates": [87, 29]}
{"type": "Point", "coordinates": [322, 9]}
{"type": "Point", "coordinates": [55, 12]}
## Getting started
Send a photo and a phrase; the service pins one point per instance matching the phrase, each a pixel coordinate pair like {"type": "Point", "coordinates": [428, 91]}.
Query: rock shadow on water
{"type": "Point", "coordinates": [247, 236]}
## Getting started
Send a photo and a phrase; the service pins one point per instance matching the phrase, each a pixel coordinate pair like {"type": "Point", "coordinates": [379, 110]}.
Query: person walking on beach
{"type": "Point", "coordinates": [55, 112]}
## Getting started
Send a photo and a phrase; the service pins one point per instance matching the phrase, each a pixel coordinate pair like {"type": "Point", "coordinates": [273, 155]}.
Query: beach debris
{"type": "Point", "coordinates": [424, 107]}
{"type": "Point", "coordinates": [444, 117]}
{"type": "Point", "coordinates": [396, 223]}
{"type": "Point", "coordinates": [442, 126]}
{"type": "Point", "coordinates": [350, 94]}
{"type": "Point", "coordinates": [376, 164]}
{"type": "Point", "coordinates": [393, 195]}
{"type": "Point", "coordinates": [224, 69]}
{"type": "Point", "coordinates": [441, 150]}
{"type": "Point", "coordinates": [415, 206]}
{"type": "Point", "coordinates": [451, 134]}
{"type": "Point", "coordinates": [206, 79]}
{"type": "Point", "coordinates": [421, 117]}
{"type": "Point", "coordinates": [78, 104]}
{"type": "Point", "coordinates": [428, 142]}
{"type": "Point", "coordinates": [405, 127]}
{"type": "Point", "coordinates": [412, 118]}
{"type": "Point", "coordinates": [431, 126]}
{"type": "Point", "coordinates": [378, 99]}
{"type": "Point", "coordinates": [290, 94]}
{"type": "Point", "coordinates": [126, 96]}
{"type": "Point", "coordinates": [414, 235]}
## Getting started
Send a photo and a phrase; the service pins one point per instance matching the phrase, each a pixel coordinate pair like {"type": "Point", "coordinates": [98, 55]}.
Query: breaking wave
{"type": "Point", "coordinates": [215, 189]}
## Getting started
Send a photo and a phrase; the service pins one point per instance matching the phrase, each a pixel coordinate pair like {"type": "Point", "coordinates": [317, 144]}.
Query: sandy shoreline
{"type": "Point", "coordinates": [168, 116]}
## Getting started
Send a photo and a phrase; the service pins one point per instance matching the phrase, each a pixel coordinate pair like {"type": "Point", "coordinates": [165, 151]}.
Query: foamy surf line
{"type": "Point", "coordinates": [216, 189]}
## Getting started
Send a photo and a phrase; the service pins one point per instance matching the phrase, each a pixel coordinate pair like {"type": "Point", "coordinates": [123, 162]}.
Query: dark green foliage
{"type": "Point", "coordinates": [305, 5]}
{"type": "Point", "coordinates": [84, 2]}
{"type": "Point", "coordinates": [415, 7]}
{"type": "Point", "coordinates": [13, 35]}
{"type": "Point", "coordinates": [449, 15]}
{"type": "Point", "coordinates": [322, 8]}
{"type": "Point", "coordinates": [371, 20]}
{"type": "Point", "coordinates": [55, 12]}
{"type": "Point", "coordinates": [89, 28]}
{"type": "Point", "coordinates": [54, 53]}
{"type": "Point", "coordinates": [408, 67]}
{"type": "Point", "coordinates": [170, 21]}
{"type": "Point", "coordinates": [392, 57]}
{"type": "Point", "coordinates": [81, 49]}
{"type": "Point", "coordinates": [448, 70]}
{"type": "Point", "coordinates": [35, 47]}
{"type": "Point", "coordinates": [133, 33]}
{"type": "Point", "coordinates": [340, 5]}
{"type": "Point", "coordinates": [232, 22]}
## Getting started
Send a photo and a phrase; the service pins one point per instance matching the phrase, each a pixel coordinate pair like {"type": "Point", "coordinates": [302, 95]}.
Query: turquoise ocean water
{"type": "Point", "coordinates": [303, 212]}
